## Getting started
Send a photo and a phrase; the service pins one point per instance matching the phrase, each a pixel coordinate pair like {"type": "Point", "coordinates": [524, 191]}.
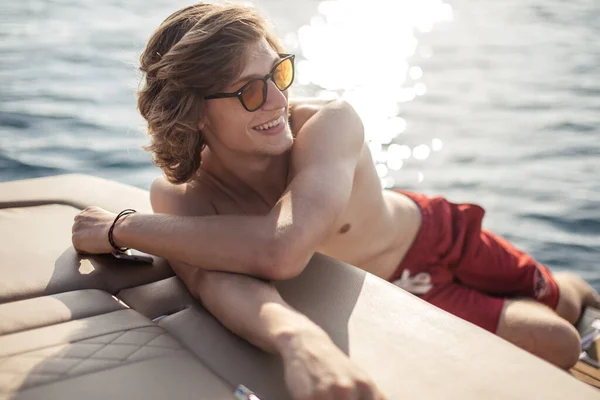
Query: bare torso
{"type": "Point", "coordinates": [374, 232]}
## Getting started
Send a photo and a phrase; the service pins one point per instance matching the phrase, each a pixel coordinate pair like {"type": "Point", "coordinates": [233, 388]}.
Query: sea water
{"type": "Point", "coordinates": [491, 102]}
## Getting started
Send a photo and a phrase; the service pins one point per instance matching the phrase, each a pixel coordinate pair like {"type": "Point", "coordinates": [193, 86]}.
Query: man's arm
{"type": "Point", "coordinates": [323, 163]}
{"type": "Point", "coordinates": [314, 367]}
{"type": "Point", "coordinates": [277, 245]}
{"type": "Point", "coordinates": [251, 308]}
{"type": "Point", "coordinates": [254, 310]}
{"type": "Point", "coordinates": [303, 108]}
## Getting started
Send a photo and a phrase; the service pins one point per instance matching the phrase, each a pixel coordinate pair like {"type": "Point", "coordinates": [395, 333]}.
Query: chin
{"type": "Point", "coordinates": [277, 144]}
{"type": "Point", "coordinates": [282, 147]}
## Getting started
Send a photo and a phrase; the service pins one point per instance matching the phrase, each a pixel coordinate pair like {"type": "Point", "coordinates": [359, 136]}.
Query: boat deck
{"type": "Point", "coordinates": [585, 371]}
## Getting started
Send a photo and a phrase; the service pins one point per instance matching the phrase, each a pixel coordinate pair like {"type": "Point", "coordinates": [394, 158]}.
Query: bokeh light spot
{"type": "Point", "coordinates": [420, 89]}
{"type": "Point", "coordinates": [415, 72]}
{"type": "Point", "coordinates": [382, 170]}
{"type": "Point", "coordinates": [394, 164]}
{"type": "Point", "coordinates": [421, 152]}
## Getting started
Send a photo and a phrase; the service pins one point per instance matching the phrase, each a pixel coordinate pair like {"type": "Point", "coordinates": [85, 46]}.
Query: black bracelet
{"type": "Point", "coordinates": [112, 227]}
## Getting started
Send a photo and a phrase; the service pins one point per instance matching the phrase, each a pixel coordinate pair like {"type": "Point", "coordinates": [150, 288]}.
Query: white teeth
{"type": "Point", "coordinates": [269, 124]}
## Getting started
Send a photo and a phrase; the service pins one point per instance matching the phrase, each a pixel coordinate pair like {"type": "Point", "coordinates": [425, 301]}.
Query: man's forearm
{"type": "Point", "coordinates": [224, 243]}
{"type": "Point", "coordinates": [255, 311]}
{"type": "Point", "coordinates": [277, 245]}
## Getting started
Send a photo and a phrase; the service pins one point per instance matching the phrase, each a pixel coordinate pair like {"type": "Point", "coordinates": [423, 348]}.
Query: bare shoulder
{"type": "Point", "coordinates": [302, 109]}
{"type": "Point", "coordinates": [183, 199]}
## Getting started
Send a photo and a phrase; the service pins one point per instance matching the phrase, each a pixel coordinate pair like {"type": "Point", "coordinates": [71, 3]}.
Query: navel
{"type": "Point", "coordinates": [345, 228]}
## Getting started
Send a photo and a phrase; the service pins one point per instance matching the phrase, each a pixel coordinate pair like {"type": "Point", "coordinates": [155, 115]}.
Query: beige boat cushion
{"type": "Point", "coordinates": [159, 298]}
{"type": "Point", "coordinates": [411, 349]}
{"type": "Point", "coordinates": [69, 356]}
{"type": "Point", "coordinates": [48, 310]}
{"type": "Point", "coordinates": [179, 377]}
{"type": "Point", "coordinates": [37, 257]}
{"type": "Point", "coordinates": [76, 190]}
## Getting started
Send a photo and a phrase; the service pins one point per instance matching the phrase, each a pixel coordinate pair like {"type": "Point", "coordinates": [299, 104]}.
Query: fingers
{"type": "Point", "coordinates": [370, 392]}
{"type": "Point", "coordinates": [347, 391]}
{"type": "Point", "coordinates": [76, 220]}
{"type": "Point", "coordinates": [89, 230]}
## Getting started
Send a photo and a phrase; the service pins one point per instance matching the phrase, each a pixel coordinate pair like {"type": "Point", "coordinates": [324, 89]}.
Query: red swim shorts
{"type": "Point", "coordinates": [459, 267]}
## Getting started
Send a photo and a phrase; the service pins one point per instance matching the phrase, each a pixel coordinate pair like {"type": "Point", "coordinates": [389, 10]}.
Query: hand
{"type": "Point", "coordinates": [90, 231]}
{"type": "Point", "coordinates": [315, 369]}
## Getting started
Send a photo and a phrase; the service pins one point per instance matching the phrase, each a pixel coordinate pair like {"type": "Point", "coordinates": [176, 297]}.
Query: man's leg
{"type": "Point", "coordinates": [493, 265]}
{"type": "Point", "coordinates": [524, 322]}
{"type": "Point", "coordinates": [539, 330]}
{"type": "Point", "coordinates": [542, 323]}
{"type": "Point", "coordinates": [574, 295]}
{"type": "Point", "coordinates": [489, 269]}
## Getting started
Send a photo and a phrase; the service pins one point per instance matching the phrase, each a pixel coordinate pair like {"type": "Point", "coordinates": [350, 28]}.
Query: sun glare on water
{"type": "Point", "coordinates": [361, 52]}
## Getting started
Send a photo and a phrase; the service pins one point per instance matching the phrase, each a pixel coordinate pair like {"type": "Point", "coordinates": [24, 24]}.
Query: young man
{"type": "Point", "coordinates": [249, 193]}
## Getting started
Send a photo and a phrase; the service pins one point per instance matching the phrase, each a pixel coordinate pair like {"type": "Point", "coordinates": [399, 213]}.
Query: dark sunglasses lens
{"type": "Point", "coordinates": [284, 74]}
{"type": "Point", "coordinates": [253, 95]}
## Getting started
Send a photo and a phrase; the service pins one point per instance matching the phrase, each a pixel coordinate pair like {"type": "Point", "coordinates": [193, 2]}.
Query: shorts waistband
{"type": "Point", "coordinates": [420, 245]}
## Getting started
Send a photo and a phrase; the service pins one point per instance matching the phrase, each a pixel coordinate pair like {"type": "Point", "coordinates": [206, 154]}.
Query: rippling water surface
{"type": "Point", "coordinates": [489, 102]}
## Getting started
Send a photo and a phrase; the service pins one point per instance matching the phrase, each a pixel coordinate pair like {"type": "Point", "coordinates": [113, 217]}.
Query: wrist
{"type": "Point", "coordinates": [119, 230]}
{"type": "Point", "coordinates": [301, 337]}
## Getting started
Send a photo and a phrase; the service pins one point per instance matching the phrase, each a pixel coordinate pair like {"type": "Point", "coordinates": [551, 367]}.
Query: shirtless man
{"type": "Point", "coordinates": [249, 193]}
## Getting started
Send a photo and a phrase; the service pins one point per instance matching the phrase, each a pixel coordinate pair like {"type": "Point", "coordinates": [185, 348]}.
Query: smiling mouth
{"type": "Point", "coordinates": [270, 124]}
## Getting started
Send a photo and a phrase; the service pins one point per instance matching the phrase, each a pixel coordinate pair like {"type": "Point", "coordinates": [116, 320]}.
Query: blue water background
{"type": "Point", "coordinates": [512, 93]}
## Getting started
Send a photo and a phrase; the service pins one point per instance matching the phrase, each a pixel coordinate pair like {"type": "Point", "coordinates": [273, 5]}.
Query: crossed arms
{"type": "Point", "coordinates": [275, 246]}
{"type": "Point", "coordinates": [278, 245]}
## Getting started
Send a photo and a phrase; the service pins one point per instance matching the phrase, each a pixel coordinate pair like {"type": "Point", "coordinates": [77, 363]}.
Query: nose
{"type": "Point", "coordinates": [275, 97]}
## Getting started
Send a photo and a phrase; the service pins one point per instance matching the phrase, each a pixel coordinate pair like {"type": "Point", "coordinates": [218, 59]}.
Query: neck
{"type": "Point", "coordinates": [245, 175]}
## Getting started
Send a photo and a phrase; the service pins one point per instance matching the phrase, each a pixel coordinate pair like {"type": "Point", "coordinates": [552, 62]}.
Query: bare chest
{"type": "Point", "coordinates": [375, 227]}
{"type": "Point", "coordinates": [373, 232]}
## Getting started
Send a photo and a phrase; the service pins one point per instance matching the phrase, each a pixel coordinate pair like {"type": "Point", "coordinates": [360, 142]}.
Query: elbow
{"type": "Point", "coordinates": [282, 271]}
{"type": "Point", "coordinates": [204, 285]}
{"type": "Point", "coordinates": [280, 263]}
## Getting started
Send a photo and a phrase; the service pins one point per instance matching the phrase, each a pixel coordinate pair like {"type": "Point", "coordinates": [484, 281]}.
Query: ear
{"type": "Point", "coordinates": [203, 119]}
{"type": "Point", "coordinates": [204, 122]}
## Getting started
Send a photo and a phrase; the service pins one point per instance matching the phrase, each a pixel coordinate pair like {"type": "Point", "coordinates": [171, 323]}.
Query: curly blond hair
{"type": "Point", "coordinates": [196, 51]}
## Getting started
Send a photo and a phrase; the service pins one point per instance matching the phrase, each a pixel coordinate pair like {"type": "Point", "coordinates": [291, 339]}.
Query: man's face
{"type": "Point", "coordinates": [229, 128]}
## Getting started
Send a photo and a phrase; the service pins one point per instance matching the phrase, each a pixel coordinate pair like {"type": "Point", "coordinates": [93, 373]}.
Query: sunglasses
{"type": "Point", "coordinates": [253, 94]}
